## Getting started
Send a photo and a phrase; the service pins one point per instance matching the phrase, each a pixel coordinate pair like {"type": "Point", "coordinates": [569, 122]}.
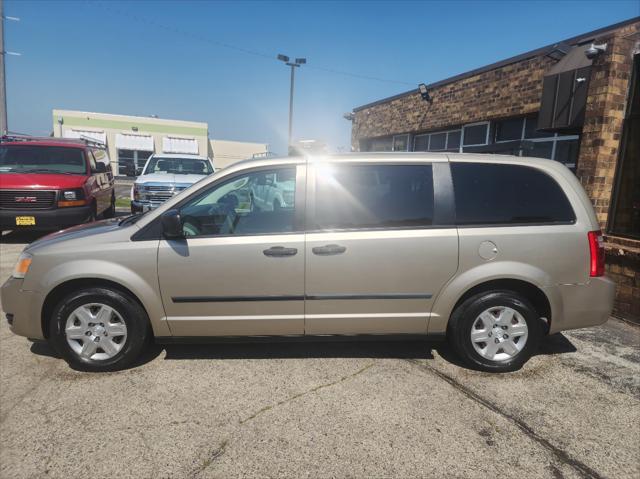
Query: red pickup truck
{"type": "Point", "coordinates": [53, 183]}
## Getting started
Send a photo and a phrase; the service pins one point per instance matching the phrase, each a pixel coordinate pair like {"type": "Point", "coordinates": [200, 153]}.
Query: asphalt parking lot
{"type": "Point", "coordinates": [322, 410]}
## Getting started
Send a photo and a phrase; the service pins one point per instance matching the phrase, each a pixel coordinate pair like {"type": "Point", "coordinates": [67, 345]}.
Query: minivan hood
{"type": "Point", "coordinates": [76, 232]}
{"type": "Point", "coordinates": [169, 178]}
{"type": "Point", "coordinates": [40, 181]}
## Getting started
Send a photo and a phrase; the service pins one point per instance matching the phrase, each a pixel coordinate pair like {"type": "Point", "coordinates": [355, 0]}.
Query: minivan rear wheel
{"type": "Point", "coordinates": [99, 329]}
{"type": "Point", "coordinates": [495, 331]}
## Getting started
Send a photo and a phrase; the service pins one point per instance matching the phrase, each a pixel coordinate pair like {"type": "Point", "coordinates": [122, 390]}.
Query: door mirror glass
{"type": "Point", "coordinates": [172, 224]}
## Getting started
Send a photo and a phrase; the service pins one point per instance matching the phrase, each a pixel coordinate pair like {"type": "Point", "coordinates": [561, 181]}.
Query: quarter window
{"type": "Point", "coordinates": [373, 196]}
{"type": "Point", "coordinates": [487, 194]}
{"type": "Point", "coordinates": [260, 202]}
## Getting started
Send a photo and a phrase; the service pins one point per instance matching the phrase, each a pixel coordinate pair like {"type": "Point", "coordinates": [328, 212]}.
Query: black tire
{"type": "Point", "coordinates": [111, 211]}
{"type": "Point", "coordinates": [466, 314]}
{"type": "Point", "coordinates": [93, 216]}
{"type": "Point", "coordinates": [133, 315]}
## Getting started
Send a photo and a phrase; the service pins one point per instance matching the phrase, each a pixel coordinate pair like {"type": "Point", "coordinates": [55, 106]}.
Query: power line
{"type": "Point", "coordinates": [237, 48]}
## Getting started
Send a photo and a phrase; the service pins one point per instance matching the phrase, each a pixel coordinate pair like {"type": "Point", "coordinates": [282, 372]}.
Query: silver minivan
{"type": "Point", "coordinates": [491, 252]}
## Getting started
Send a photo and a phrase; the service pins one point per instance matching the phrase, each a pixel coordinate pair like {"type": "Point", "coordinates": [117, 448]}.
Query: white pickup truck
{"type": "Point", "coordinates": [165, 175]}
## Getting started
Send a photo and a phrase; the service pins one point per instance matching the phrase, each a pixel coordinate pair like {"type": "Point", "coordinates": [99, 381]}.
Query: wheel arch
{"type": "Point", "coordinates": [522, 278]}
{"type": "Point", "coordinates": [61, 290]}
{"type": "Point", "coordinates": [533, 293]}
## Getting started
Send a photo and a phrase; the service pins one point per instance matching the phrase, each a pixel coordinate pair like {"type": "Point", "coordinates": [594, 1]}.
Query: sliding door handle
{"type": "Point", "coordinates": [280, 251]}
{"type": "Point", "coordinates": [329, 250]}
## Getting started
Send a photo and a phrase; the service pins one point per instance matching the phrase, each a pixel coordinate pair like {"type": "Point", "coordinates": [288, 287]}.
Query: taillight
{"type": "Point", "coordinates": [596, 251]}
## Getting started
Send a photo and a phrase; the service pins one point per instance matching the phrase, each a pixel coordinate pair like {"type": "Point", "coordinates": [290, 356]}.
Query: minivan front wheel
{"type": "Point", "coordinates": [99, 329]}
{"type": "Point", "coordinates": [495, 331]}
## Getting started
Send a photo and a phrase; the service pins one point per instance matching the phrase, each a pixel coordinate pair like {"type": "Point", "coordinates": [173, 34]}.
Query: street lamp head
{"type": "Point", "coordinates": [301, 61]}
{"type": "Point", "coordinates": [424, 92]}
{"type": "Point", "coordinates": [283, 58]}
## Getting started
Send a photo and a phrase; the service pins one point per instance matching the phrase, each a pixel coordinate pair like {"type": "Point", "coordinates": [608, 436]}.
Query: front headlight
{"type": "Point", "coordinates": [73, 197]}
{"type": "Point", "coordinates": [22, 266]}
{"type": "Point", "coordinates": [137, 188]}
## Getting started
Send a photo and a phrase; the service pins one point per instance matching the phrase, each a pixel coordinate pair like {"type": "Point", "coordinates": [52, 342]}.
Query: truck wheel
{"type": "Point", "coordinates": [99, 329]}
{"type": "Point", "coordinates": [495, 331]}
{"type": "Point", "coordinates": [111, 211]}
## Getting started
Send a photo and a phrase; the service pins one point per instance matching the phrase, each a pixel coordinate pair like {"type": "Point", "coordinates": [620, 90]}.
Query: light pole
{"type": "Point", "coordinates": [293, 64]}
{"type": "Point", "coordinates": [4, 127]}
{"type": "Point", "coordinates": [3, 89]}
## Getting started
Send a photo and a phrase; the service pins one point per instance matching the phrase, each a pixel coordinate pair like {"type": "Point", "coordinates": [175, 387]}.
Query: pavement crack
{"type": "Point", "coordinates": [211, 458]}
{"type": "Point", "coordinates": [560, 454]}
{"type": "Point", "coordinates": [304, 393]}
{"type": "Point", "coordinates": [20, 398]}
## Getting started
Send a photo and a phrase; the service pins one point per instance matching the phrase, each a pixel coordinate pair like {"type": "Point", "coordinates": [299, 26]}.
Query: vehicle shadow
{"type": "Point", "coordinates": [21, 237]}
{"type": "Point", "coordinates": [413, 349]}
{"type": "Point", "coordinates": [29, 236]}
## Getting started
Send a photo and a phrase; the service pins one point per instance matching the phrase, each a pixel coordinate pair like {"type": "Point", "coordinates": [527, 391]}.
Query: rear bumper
{"type": "Point", "coordinates": [23, 308]}
{"type": "Point", "coordinates": [581, 305]}
{"type": "Point", "coordinates": [53, 219]}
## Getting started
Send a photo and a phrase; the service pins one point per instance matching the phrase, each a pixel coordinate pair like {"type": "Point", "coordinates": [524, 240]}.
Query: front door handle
{"type": "Point", "coordinates": [329, 250]}
{"type": "Point", "coordinates": [280, 251]}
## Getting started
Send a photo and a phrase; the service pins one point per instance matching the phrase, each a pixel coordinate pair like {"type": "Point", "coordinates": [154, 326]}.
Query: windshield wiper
{"type": "Point", "coordinates": [129, 220]}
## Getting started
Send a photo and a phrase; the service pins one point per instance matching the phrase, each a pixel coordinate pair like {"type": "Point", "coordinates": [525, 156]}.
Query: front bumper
{"type": "Point", "coordinates": [23, 307]}
{"type": "Point", "coordinates": [582, 305]}
{"type": "Point", "coordinates": [54, 219]}
{"type": "Point", "coordinates": [142, 206]}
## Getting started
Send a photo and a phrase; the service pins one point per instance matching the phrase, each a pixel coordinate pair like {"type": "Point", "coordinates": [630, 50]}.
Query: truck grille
{"type": "Point", "coordinates": [27, 199]}
{"type": "Point", "coordinates": [160, 193]}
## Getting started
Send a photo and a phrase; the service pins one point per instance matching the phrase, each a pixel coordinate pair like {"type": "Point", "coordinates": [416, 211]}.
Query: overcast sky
{"type": "Point", "coordinates": [215, 61]}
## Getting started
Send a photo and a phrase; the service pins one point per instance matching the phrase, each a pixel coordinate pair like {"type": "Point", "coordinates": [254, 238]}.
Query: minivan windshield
{"type": "Point", "coordinates": [42, 159]}
{"type": "Point", "coordinates": [185, 166]}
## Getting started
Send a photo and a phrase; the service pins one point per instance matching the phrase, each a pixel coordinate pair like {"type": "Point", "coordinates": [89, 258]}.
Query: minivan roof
{"type": "Point", "coordinates": [400, 156]}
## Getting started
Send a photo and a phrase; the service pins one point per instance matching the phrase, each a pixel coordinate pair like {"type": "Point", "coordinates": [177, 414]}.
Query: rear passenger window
{"type": "Point", "coordinates": [507, 194]}
{"type": "Point", "coordinates": [373, 196]}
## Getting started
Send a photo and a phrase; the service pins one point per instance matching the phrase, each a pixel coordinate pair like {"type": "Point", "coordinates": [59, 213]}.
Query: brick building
{"type": "Point", "coordinates": [567, 101]}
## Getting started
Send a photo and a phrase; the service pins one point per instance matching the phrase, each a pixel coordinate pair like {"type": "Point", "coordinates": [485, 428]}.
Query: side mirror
{"type": "Point", "coordinates": [171, 224]}
{"type": "Point", "coordinates": [138, 171]}
{"type": "Point", "coordinates": [101, 167]}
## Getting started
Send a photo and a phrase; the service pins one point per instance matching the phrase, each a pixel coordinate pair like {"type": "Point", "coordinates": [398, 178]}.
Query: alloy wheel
{"type": "Point", "coordinates": [499, 333]}
{"type": "Point", "coordinates": [95, 331]}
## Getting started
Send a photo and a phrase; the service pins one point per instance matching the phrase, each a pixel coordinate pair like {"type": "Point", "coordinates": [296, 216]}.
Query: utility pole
{"type": "Point", "coordinates": [4, 127]}
{"type": "Point", "coordinates": [293, 64]}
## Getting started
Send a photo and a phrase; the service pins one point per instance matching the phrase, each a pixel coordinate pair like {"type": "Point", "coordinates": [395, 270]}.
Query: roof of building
{"type": "Point", "coordinates": [120, 117]}
{"type": "Point", "coordinates": [577, 40]}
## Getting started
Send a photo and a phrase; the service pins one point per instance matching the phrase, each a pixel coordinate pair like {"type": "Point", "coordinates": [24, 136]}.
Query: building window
{"type": "Point", "coordinates": [421, 143]}
{"type": "Point", "coordinates": [475, 134]}
{"type": "Point", "coordinates": [381, 144]}
{"type": "Point", "coordinates": [130, 162]}
{"type": "Point", "coordinates": [625, 219]}
{"type": "Point", "coordinates": [553, 146]}
{"type": "Point", "coordinates": [438, 141]}
{"type": "Point", "coordinates": [401, 143]}
{"type": "Point", "coordinates": [510, 129]}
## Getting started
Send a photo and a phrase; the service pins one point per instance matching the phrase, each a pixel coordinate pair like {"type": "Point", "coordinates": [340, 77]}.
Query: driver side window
{"type": "Point", "coordinates": [260, 202]}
